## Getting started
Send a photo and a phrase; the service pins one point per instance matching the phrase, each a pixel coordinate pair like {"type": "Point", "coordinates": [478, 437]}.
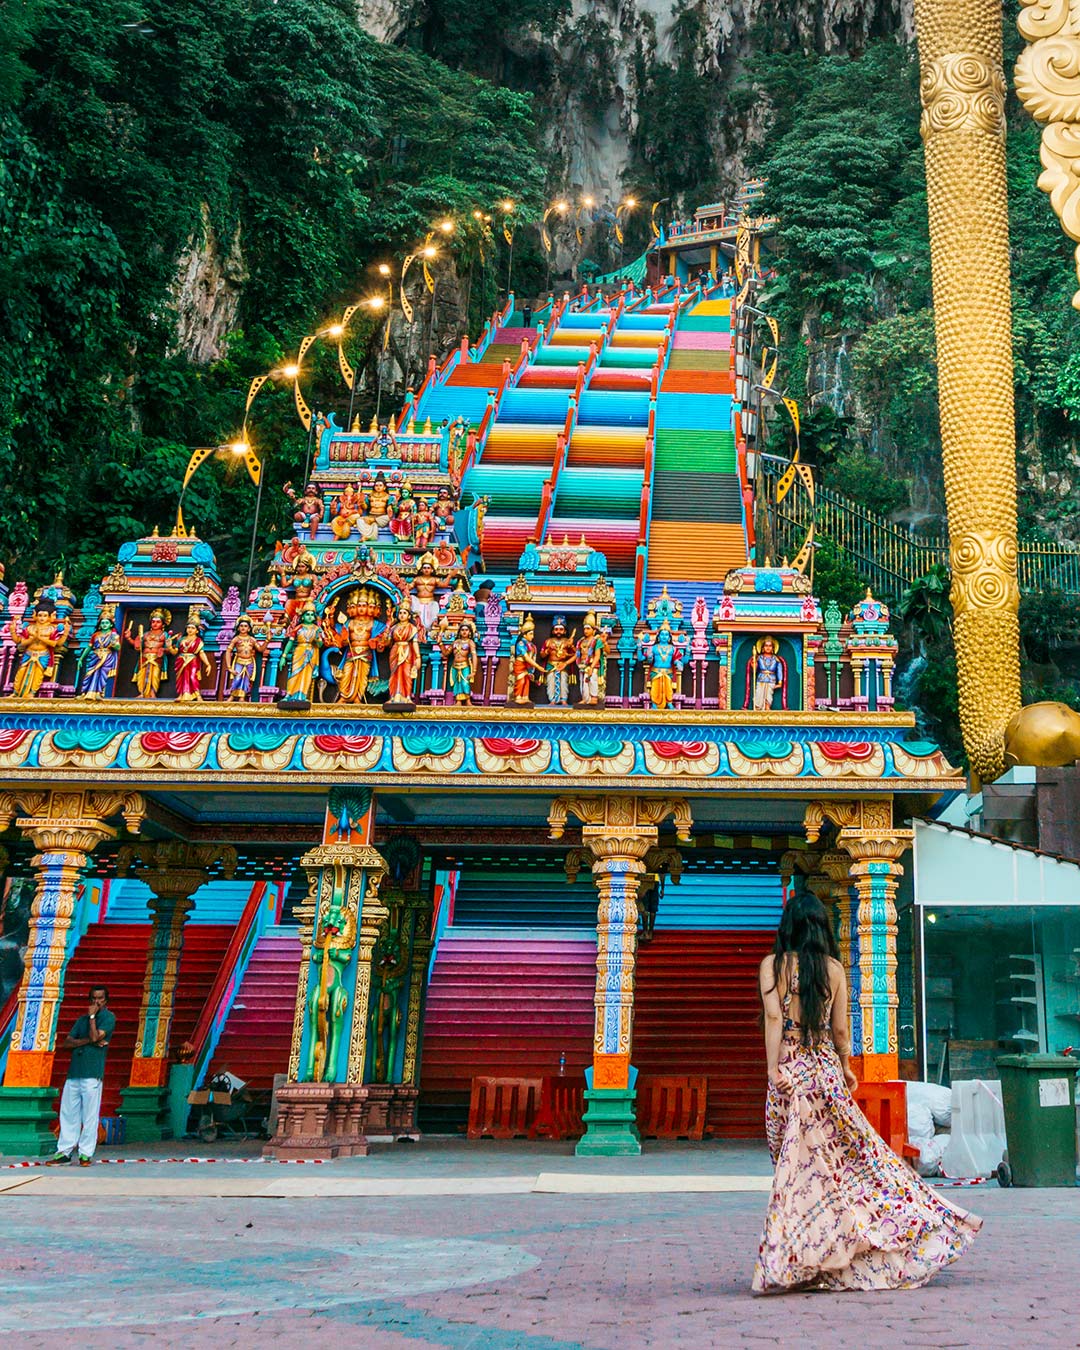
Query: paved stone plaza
{"type": "Point", "coordinates": [485, 1246]}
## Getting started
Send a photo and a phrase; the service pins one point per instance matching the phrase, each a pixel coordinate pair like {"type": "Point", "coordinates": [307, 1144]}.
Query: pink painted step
{"type": "Point", "coordinates": [258, 1035]}
{"type": "Point", "coordinates": [702, 342]}
{"type": "Point", "coordinates": [508, 1007]}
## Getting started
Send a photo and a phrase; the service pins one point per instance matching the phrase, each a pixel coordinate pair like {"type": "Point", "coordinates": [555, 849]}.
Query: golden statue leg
{"type": "Point", "coordinates": [963, 127]}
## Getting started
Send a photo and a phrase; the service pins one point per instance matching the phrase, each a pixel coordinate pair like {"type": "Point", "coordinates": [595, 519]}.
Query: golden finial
{"type": "Point", "coordinates": [374, 425]}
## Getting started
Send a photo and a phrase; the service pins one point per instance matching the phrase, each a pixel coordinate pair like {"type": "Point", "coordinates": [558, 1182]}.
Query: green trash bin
{"type": "Point", "coordinates": [1038, 1093]}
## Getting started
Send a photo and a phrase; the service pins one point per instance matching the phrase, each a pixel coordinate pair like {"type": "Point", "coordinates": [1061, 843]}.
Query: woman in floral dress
{"type": "Point", "coordinates": [845, 1212]}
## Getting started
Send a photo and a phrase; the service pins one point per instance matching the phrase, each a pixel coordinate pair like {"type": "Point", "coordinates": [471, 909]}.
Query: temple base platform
{"type": "Point", "coordinates": [333, 1120]}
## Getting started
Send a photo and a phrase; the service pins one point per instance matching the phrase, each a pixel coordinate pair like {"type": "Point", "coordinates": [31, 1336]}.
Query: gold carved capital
{"type": "Point", "coordinates": [983, 571]}
{"type": "Point", "coordinates": [173, 869]}
{"type": "Point", "coordinates": [962, 92]}
{"type": "Point", "coordinates": [864, 849]}
{"type": "Point", "coordinates": [859, 816]}
{"type": "Point", "coordinates": [1048, 85]}
{"type": "Point", "coordinates": [74, 819]}
{"type": "Point", "coordinates": [626, 817]}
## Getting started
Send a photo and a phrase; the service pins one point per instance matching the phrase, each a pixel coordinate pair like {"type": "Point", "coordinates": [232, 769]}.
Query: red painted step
{"type": "Point", "coordinates": [114, 954]}
{"type": "Point", "coordinates": [257, 1038]}
{"type": "Point", "coordinates": [505, 1007]}
{"type": "Point", "coordinates": [696, 1011]}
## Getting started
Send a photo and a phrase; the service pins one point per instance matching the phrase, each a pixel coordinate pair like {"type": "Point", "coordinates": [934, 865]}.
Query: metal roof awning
{"type": "Point", "coordinates": [959, 867]}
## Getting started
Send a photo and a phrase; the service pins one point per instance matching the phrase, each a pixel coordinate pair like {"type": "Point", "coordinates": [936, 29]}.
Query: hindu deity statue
{"type": "Point", "coordinates": [766, 675]}
{"type": "Point", "coordinates": [459, 443]}
{"type": "Point", "coordinates": [424, 524]}
{"type": "Point", "coordinates": [301, 658]}
{"type": "Point", "coordinates": [592, 662]}
{"type": "Point", "coordinates": [524, 667]}
{"type": "Point", "coordinates": [445, 506]}
{"type": "Point", "coordinates": [240, 661]}
{"type": "Point", "coordinates": [153, 645]}
{"type": "Point", "coordinates": [302, 587]}
{"type": "Point", "coordinates": [559, 654]}
{"type": "Point", "coordinates": [378, 500]}
{"type": "Point", "coordinates": [192, 662]}
{"type": "Point", "coordinates": [349, 513]}
{"type": "Point", "coordinates": [401, 523]}
{"type": "Point", "coordinates": [328, 1000]}
{"type": "Point", "coordinates": [402, 640]}
{"type": "Point", "coordinates": [354, 640]}
{"type": "Point", "coordinates": [390, 968]}
{"type": "Point", "coordinates": [663, 666]}
{"type": "Point", "coordinates": [40, 642]}
{"type": "Point", "coordinates": [463, 659]}
{"type": "Point", "coordinates": [385, 446]}
{"type": "Point", "coordinates": [423, 600]}
{"type": "Point", "coordinates": [103, 652]}
{"type": "Point", "coordinates": [309, 506]}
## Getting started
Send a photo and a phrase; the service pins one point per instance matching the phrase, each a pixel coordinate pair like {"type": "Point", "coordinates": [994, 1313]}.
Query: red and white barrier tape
{"type": "Point", "coordinates": [113, 1162]}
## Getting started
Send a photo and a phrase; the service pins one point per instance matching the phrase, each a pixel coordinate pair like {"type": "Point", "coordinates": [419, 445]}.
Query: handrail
{"type": "Point", "coordinates": [892, 557]}
{"type": "Point", "coordinates": [8, 1013]}
{"type": "Point", "coordinates": [219, 1000]}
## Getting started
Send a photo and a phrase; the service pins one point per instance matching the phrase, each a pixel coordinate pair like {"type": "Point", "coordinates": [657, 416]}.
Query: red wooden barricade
{"type": "Point", "coordinates": [885, 1106]}
{"type": "Point", "coordinates": [502, 1108]}
{"type": "Point", "coordinates": [562, 1104]}
{"type": "Point", "coordinates": [672, 1106]}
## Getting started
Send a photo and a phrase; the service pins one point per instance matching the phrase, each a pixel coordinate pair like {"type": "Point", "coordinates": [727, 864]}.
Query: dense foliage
{"type": "Point", "coordinates": [852, 292]}
{"type": "Point", "coordinates": [272, 137]}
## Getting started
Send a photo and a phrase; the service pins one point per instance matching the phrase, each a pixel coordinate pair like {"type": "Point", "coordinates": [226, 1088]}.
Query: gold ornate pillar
{"type": "Point", "coordinates": [173, 871]}
{"type": "Point", "coordinates": [963, 128]}
{"type": "Point", "coordinates": [618, 834]}
{"type": "Point", "coordinates": [874, 846]}
{"type": "Point", "coordinates": [323, 1108]}
{"type": "Point", "coordinates": [65, 828]}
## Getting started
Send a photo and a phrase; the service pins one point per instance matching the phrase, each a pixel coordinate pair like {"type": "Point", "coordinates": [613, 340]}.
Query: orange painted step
{"type": "Point", "coordinates": [682, 551]}
{"type": "Point", "coordinates": [697, 382]}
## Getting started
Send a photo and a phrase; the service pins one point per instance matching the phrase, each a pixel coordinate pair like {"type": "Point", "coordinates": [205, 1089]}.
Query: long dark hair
{"type": "Point", "coordinates": [806, 933]}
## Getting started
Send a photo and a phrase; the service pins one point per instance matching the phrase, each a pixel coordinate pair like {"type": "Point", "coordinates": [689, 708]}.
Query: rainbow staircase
{"type": "Point", "coordinates": [696, 1003]}
{"type": "Point", "coordinates": [257, 1037]}
{"type": "Point", "coordinates": [114, 954]}
{"type": "Point", "coordinates": [506, 1005]}
{"type": "Point", "coordinates": [698, 527]}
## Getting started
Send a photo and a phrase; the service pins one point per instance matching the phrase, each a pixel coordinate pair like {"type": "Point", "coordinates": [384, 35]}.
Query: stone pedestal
{"type": "Point", "coordinates": [27, 1118]}
{"type": "Point", "coordinates": [391, 1111]}
{"type": "Point", "coordinates": [610, 1130]}
{"type": "Point", "coordinates": [146, 1114]}
{"type": "Point", "coordinates": [320, 1120]}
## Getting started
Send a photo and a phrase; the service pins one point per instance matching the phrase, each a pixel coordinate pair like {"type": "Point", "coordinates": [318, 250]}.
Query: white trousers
{"type": "Point", "coordinates": [80, 1107]}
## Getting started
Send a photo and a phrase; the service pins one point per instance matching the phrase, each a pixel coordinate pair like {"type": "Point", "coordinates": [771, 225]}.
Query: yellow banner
{"type": "Point", "coordinates": [200, 455]}
{"type": "Point", "coordinates": [774, 329]}
{"type": "Point", "coordinates": [793, 409]}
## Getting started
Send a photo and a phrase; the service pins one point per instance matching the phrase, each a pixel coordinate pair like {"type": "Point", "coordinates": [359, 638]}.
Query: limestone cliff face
{"type": "Point", "coordinates": [210, 274]}
{"type": "Point", "coordinates": [590, 139]}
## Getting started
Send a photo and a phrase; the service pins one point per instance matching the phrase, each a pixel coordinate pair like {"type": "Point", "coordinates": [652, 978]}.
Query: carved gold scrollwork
{"type": "Point", "coordinates": [1048, 85]}
{"type": "Point", "coordinates": [962, 92]}
{"type": "Point", "coordinates": [984, 571]}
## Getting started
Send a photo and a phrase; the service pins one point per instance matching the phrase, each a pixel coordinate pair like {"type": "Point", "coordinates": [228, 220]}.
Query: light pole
{"type": "Point", "coordinates": [622, 214]}
{"type": "Point", "coordinates": [507, 208]}
{"type": "Point", "coordinates": [559, 207]}
{"type": "Point", "coordinates": [243, 450]}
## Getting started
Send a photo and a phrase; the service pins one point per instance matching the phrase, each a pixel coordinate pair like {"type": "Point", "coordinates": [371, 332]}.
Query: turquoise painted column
{"type": "Point", "coordinates": [875, 872]}
{"type": "Point", "coordinates": [173, 871]}
{"type": "Point", "coordinates": [617, 833]}
{"type": "Point", "coordinates": [65, 827]}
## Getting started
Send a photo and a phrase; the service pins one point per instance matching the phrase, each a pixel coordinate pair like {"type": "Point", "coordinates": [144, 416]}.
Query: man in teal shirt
{"type": "Point", "coordinates": [80, 1102]}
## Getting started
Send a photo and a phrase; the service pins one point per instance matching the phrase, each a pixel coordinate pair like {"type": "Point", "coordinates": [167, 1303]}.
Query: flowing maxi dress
{"type": "Point", "coordinates": [845, 1212]}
